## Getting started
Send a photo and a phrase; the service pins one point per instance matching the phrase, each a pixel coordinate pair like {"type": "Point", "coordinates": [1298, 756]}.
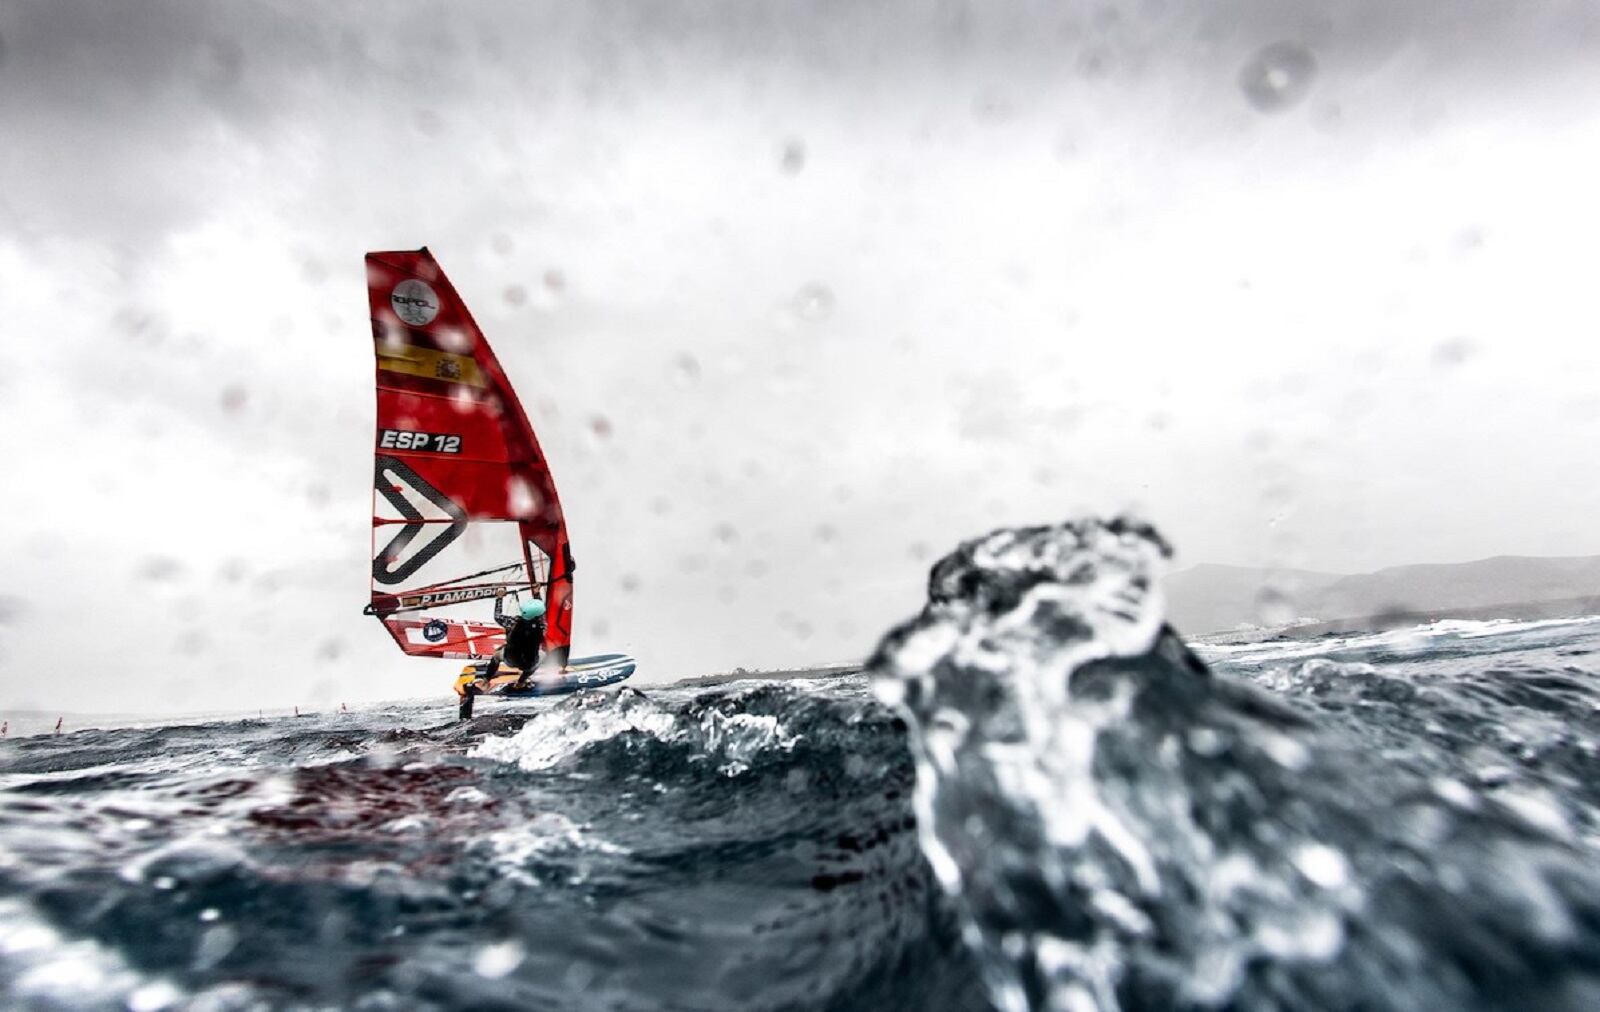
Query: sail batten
{"type": "Point", "coordinates": [461, 488]}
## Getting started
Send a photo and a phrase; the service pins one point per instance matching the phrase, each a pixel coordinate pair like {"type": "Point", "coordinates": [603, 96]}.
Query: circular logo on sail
{"type": "Point", "coordinates": [414, 302]}
{"type": "Point", "coordinates": [434, 631]}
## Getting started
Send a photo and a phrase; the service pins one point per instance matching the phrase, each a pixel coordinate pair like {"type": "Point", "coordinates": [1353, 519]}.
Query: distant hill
{"type": "Point", "coordinates": [1212, 598]}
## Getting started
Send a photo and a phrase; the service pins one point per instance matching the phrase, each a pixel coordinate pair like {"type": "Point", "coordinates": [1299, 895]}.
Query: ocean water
{"type": "Point", "coordinates": [1037, 797]}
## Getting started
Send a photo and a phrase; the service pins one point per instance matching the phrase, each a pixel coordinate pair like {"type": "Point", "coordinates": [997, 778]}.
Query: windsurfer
{"type": "Point", "coordinates": [524, 636]}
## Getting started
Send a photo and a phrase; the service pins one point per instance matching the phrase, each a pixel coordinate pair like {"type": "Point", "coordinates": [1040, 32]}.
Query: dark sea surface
{"type": "Point", "coordinates": [1400, 820]}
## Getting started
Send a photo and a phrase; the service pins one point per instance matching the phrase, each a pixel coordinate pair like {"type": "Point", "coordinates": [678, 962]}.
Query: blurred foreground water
{"type": "Point", "coordinates": [1111, 818]}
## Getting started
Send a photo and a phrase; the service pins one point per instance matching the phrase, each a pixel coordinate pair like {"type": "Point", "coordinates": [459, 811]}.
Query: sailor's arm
{"type": "Point", "coordinates": [500, 617]}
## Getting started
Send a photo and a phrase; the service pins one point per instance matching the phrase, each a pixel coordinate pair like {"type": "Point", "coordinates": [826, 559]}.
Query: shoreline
{"type": "Point", "coordinates": [1574, 607]}
{"type": "Point", "coordinates": [774, 675]}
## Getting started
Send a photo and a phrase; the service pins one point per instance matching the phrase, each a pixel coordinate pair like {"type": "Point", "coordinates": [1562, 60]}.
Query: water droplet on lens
{"type": "Point", "coordinates": [993, 107]}
{"type": "Point", "coordinates": [454, 340]}
{"type": "Point", "coordinates": [629, 583]}
{"type": "Point", "coordinates": [688, 366]}
{"type": "Point", "coordinates": [579, 977]}
{"type": "Point", "coordinates": [1095, 62]}
{"type": "Point", "coordinates": [1453, 352]}
{"type": "Point", "coordinates": [389, 334]}
{"type": "Point", "coordinates": [233, 398]}
{"type": "Point", "coordinates": [11, 609]}
{"type": "Point", "coordinates": [160, 569]}
{"type": "Point", "coordinates": [330, 650]}
{"type": "Point", "coordinates": [1277, 496]}
{"type": "Point", "coordinates": [221, 64]}
{"type": "Point", "coordinates": [1322, 865]}
{"type": "Point", "coordinates": [1274, 607]}
{"type": "Point", "coordinates": [427, 122]}
{"type": "Point", "coordinates": [521, 499]}
{"type": "Point", "coordinates": [501, 243]}
{"type": "Point", "coordinates": [826, 533]}
{"type": "Point", "coordinates": [214, 947]}
{"type": "Point", "coordinates": [154, 997]}
{"type": "Point", "coordinates": [813, 303]}
{"type": "Point", "coordinates": [792, 157]}
{"type": "Point", "coordinates": [516, 295]}
{"type": "Point", "coordinates": [496, 961]}
{"type": "Point", "coordinates": [1278, 76]}
{"type": "Point", "coordinates": [600, 425]}
{"type": "Point", "coordinates": [726, 533]}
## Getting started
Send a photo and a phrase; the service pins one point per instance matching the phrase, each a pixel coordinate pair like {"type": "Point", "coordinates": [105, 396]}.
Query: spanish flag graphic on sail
{"type": "Point", "coordinates": [430, 364]}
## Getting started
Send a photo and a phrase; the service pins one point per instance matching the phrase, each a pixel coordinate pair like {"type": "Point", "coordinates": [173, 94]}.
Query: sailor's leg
{"type": "Point", "coordinates": [471, 693]}
{"type": "Point", "coordinates": [526, 672]}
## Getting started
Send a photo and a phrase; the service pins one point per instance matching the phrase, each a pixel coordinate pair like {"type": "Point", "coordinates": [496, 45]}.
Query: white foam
{"type": "Point", "coordinates": [733, 739]}
{"type": "Point", "coordinates": [511, 851]}
{"type": "Point", "coordinates": [556, 733]}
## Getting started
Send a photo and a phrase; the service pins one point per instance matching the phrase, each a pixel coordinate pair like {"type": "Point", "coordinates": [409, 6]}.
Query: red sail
{"type": "Point", "coordinates": [464, 507]}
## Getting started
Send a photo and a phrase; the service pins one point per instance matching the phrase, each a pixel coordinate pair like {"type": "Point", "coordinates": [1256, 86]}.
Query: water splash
{"type": "Point", "coordinates": [724, 737]}
{"type": "Point", "coordinates": [1122, 828]}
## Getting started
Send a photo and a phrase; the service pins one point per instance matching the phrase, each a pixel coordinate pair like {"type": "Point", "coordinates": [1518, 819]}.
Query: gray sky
{"type": "Point", "coordinates": [846, 281]}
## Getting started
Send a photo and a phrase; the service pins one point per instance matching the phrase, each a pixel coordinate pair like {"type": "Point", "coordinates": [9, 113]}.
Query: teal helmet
{"type": "Point", "coordinates": [532, 608]}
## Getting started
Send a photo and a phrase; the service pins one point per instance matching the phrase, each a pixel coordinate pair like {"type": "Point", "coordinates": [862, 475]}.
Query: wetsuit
{"type": "Point", "coordinates": [524, 637]}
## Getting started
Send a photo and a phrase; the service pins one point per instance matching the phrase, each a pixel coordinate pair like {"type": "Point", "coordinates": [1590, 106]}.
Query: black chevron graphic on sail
{"type": "Point", "coordinates": [392, 565]}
